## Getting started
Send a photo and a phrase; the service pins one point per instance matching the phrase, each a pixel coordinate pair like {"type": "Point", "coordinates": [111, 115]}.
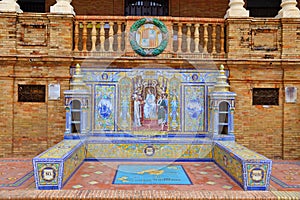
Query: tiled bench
{"type": "Point", "coordinates": [249, 169]}
{"type": "Point", "coordinates": [150, 149]}
{"type": "Point", "coordinates": [54, 167]}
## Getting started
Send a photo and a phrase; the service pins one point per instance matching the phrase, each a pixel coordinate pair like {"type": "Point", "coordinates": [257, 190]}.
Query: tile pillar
{"type": "Point", "coordinates": [289, 9]}
{"type": "Point", "coordinates": [236, 9]}
{"type": "Point", "coordinates": [62, 7]}
{"type": "Point", "coordinates": [10, 6]}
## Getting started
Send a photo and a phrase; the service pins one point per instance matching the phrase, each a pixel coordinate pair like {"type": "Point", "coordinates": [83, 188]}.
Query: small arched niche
{"type": "Point", "coordinates": [75, 116]}
{"type": "Point", "coordinates": [223, 118]}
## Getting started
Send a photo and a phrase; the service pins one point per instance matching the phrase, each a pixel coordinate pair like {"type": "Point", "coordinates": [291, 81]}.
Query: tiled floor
{"type": "Point", "coordinates": [285, 176]}
{"type": "Point", "coordinates": [16, 174]}
{"type": "Point", "coordinates": [205, 176]}
{"type": "Point", "coordinates": [98, 175]}
{"type": "Point", "coordinates": [94, 180]}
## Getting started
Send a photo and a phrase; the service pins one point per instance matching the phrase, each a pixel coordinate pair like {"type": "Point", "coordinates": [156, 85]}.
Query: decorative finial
{"type": "Point", "coordinates": [222, 85]}
{"type": "Point", "coordinates": [221, 67]}
{"type": "Point", "coordinates": [77, 70]}
{"type": "Point", "coordinates": [77, 83]}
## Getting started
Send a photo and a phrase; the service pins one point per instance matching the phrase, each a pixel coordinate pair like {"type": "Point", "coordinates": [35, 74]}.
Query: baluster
{"type": "Point", "coordinates": [179, 35]}
{"type": "Point", "coordinates": [111, 36]}
{"type": "Point", "coordinates": [213, 50]}
{"type": "Point", "coordinates": [188, 39]}
{"type": "Point", "coordinates": [102, 36]}
{"type": "Point", "coordinates": [119, 36]}
{"type": "Point", "coordinates": [94, 36]}
{"type": "Point", "coordinates": [197, 38]}
{"type": "Point", "coordinates": [205, 42]}
{"type": "Point", "coordinates": [172, 38]}
{"type": "Point", "coordinates": [222, 48]}
{"type": "Point", "coordinates": [76, 33]}
{"type": "Point", "coordinates": [84, 36]}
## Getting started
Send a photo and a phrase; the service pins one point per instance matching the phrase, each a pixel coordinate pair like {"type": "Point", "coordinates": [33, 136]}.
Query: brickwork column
{"type": "Point", "coordinates": [10, 6]}
{"type": "Point", "coordinates": [8, 34]}
{"type": "Point", "coordinates": [62, 7]}
{"type": "Point", "coordinates": [61, 35]}
{"type": "Point", "coordinates": [238, 38]}
{"type": "Point", "coordinates": [236, 9]}
{"type": "Point", "coordinates": [289, 9]}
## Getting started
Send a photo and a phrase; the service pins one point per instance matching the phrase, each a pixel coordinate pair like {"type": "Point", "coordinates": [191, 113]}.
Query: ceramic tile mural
{"type": "Point", "coordinates": [48, 173]}
{"type": "Point", "coordinates": [105, 107]}
{"type": "Point", "coordinates": [61, 149]}
{"type": "Point", "coordinates": [124, 107]}
{"type": "Point", "coordinates": [243, 152]}
{"type": "Point", "coordinates": [137, 100]}
{"type": "Point", "coordinates": [228, 162]}
{"type": "Point", "coordinates": [73, 162]}
{"type": "Point", "coordinates": [194, 111]}
{"type": "Point", "coordinates": [257, 174]}
{"type": "Point", "coordinates": [150, 151]}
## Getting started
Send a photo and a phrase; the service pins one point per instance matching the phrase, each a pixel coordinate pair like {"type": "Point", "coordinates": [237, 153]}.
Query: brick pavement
{"type": "Point", "coordinates": [146, 194]}
{"type": "Point", "coordinates": [107, 190]}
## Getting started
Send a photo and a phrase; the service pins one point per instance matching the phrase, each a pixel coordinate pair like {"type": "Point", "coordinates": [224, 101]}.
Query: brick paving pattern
{"type": "Point", "coordinates": [94, 180]}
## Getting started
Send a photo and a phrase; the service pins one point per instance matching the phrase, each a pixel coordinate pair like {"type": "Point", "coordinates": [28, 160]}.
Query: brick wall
{"type": "Point", "coordinates": [256, 126]}
{"type": "Point", "coordinates": [8, 42]}
{"type": "Point", "coordinates": [270, 130]}
{"type": "Point", "coordinates": [6, 109]}
{"type": "Point", "coordinates": [291, 111]}
{"type": "Point", "coordinates": [35, 49]}
{"type": "Point", "coordinates": [38, 125]}
{"type": "Point", "coordinates": [256, 62]}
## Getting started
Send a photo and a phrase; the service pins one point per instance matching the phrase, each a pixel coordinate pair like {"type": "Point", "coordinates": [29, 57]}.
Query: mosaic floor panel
{"type": "Point", "coordinates": [204, 176]}
{"type": "Point", "coordinates": [151, 174]}
{"type": "Point", "coordinates": [17, 174]}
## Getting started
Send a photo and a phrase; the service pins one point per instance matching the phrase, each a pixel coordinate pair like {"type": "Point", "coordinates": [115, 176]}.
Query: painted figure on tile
{"type": "Point", "coordinates": [174, 106]}
{"type": "Point", "coordinates": [124, 113]}
{"type": "Point", "coordinates": [105, 107]}
{"type": "Point", "coordinates": [165, 98]}
{"type": "Point", "coordinates": [137, 111]}
{"type": "Point", "coordinates": [174, 113]}
{"type": "Point", "coordinates": [150, 106]}
{"type": "Point", "coordinates": [161, 113]}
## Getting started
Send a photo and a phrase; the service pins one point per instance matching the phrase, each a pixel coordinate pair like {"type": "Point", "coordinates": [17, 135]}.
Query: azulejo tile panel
{"type": "Point", "coordinates": [55, 166]}
{"type": "Point", "coordinates": [137, 100]}
{"type": "Point", "coordinates": [229, 163]}
{"type": "Point", "coordinates": [149, 151]}
{"type": "Point", "coordinates": [194, 115]}
{"type": "Point", "coordinates": [257, 174]}
{"type": "Point", "coordinates": [73, 162]}
{"type": "Point", "coordinates": [241, 151]}
{"type": "Point", "coordinates": [254, 170]}
{"type": "Point", "coordinates": [61, 149]}
{"type": "Point", "coordinates": [48, 173]}
{"type": "Point", "coordinates": [105, 107]}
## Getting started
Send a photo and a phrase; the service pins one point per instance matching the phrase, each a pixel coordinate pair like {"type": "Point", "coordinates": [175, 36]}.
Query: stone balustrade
{"type": "Point", "coordinates": [109, 36]}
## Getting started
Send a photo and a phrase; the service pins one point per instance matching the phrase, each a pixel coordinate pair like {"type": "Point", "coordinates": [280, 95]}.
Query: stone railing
{"type": "Point", "coordinates": [109, 36]}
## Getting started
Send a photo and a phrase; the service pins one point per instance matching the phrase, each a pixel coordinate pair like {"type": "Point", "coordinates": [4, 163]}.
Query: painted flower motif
{"type": "Point", "coordinates": [105, 107]}
{"type": "Point", "coordinates": [194, 108]}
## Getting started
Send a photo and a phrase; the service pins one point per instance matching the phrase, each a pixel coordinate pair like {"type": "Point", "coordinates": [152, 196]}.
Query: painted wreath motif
{"type": "Point", "coordinates": [145, 51]}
